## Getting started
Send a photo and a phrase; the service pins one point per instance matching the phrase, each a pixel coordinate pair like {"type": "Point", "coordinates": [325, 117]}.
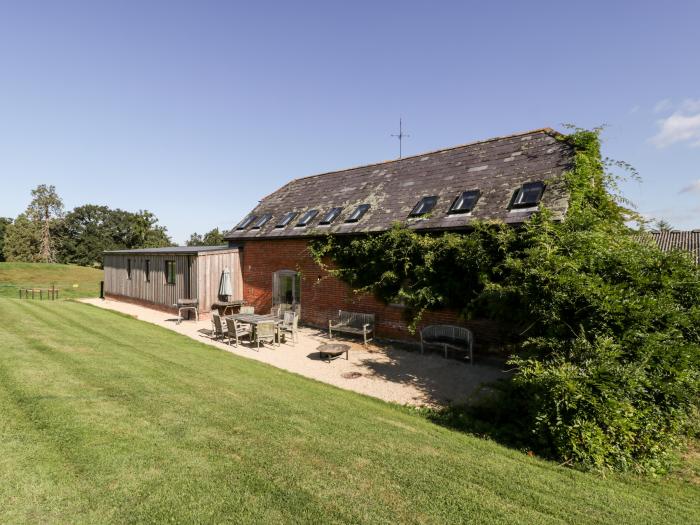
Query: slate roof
{"type": "Point", "coordinates": [680, 240]}
{"type": "Point", "coordinates": [497, 167]}
{"type": "Point", "coordinates": [176, 250]}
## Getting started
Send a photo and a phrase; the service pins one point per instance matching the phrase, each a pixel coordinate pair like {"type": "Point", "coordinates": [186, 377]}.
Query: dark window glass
{"type": "Point", "coordinates": [128, 268]}
{"type": "Point", "coordinates": [465, 202]}
{"type": "Point", "coordinates": [170, 272]}
{"type": "Point", "coordinates": [528, 195]}
{"type": "Point", "coordinates": [358, 213]}
{"type": "Point", "coordinates": [286, 219]}
{"type": "Point", "coordinates": [148, 271]}
{"type": "Point", "coordinates": [262, 221]}
{"type": "Point", "coordinates": [307, 217]}
{"type": "Point", "coordinates": [330, 215]}
{"type": "Point", "coordinates": [246, 222]}
{"type": "Point", "coordinates": [425, 205]}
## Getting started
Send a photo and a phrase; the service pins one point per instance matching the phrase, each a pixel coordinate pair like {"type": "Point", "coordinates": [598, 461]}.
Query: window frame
{"type": "Point", "coordinates": [330, 216]}
{"type": "Point", "coordinates": [286, 219]}
{"type": "Point", "coordinates": [128, 269]}
{"type": "Point", "coordinates": [454, 210]}
{"type": "Point", "coordinates": [360, 210]}
{"type": "Point", "coordinates": [147, 270]}
{"type": "Point", "coordinates": [170, 264]}
{"type": "Point", "coordinates": [296, 286]}
{"type": "Point", "coordinates": [246, 222]}
{"type": "Point", "coordinates": [261, 221]}
{"type": "Point", "coordinates": [424, 201]}
{"type": "Point", "coordinates": [306, 218]}
{"type": "Point", "coordinates": [521, 191]}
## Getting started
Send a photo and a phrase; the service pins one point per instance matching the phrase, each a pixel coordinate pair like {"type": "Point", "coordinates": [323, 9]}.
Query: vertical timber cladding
{"type": "Point", "coordinates": [198, 275]}
{"type": "Point", "coordinates": [210, 268]}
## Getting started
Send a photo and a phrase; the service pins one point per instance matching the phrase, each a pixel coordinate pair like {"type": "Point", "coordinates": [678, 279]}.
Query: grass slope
{"type": "Point", "coordinates": [105, 418]}
{"type": "Point", "coordinates": [41, 275]}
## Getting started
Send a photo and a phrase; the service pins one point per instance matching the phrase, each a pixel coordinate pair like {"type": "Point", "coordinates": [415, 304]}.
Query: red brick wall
{"type": "Point", "coordinates": [322, 295]}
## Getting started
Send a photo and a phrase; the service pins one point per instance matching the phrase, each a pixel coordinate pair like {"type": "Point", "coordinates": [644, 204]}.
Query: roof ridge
{"type": "Point", "coordinates": [547, 130]}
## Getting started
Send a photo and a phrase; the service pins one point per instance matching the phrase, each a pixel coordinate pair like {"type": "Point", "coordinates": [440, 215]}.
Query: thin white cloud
{"type": "Point", "coordinates": [663, 105]}
{"type": "Point", "coordinates": [690, 105]}
{"type": "Point", "coordinates": [676, 128]}
{"type": "Point", "coordinates": [634, 109]}
{"type": "Point", "coordinates": [691, 188]}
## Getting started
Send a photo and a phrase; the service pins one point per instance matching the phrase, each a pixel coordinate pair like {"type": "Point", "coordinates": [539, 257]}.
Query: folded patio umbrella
{"type": "Point", "coordinates": [225, 287]}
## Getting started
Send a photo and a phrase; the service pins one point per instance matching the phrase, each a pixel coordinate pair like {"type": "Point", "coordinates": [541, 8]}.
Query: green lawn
{"type": "Point", "coordinates": [108, 419]}
{"type": "Point", "coordinates": [73, 281]}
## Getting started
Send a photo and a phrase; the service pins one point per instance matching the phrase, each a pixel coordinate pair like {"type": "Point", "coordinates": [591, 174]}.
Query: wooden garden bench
{"type": "Point", "coordinates": [353, 323]}
{"type": "Point", "coordinates": [448, 337]}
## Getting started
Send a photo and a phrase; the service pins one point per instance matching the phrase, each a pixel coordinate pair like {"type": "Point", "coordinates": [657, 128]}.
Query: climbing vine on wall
{"type": "Point", "coordinates": [608, 361]}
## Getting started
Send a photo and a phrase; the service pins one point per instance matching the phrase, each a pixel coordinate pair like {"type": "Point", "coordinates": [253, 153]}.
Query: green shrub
{"type": "Point", "coordinates": [608, 366]}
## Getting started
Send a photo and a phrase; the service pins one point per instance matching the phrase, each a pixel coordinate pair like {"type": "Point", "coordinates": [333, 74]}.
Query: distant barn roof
{"type": "Point", "coordinates": [176, 250]}
{"type": "Point", "coordinates": [679, 240]}
{"type": "Point", "coordinates": [497, 167]}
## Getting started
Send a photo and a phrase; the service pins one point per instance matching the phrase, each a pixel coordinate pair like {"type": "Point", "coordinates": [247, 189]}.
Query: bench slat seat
{"type": "Point", "coordinates": [353, 323]}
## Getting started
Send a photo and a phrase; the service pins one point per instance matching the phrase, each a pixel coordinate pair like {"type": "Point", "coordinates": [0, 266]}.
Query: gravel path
{"type": "Point", "coordinates": [387, 373]}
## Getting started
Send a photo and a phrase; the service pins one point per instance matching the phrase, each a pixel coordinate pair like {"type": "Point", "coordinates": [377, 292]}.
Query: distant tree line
{"type": "Point", "coordinates": [44, 232]}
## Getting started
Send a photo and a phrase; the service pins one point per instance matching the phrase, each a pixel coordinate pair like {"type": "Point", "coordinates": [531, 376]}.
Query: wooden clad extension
{"type": "Point", "coordinates": [197, 275]}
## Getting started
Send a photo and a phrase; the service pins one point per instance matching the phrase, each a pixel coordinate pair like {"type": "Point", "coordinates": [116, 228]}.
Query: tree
{"type": "Point", "coordinates": [663, 225]}
{"type": "Point", "coordinates": [214, 237]}
{"type": "Point", "coordinates": [4, 223]}
{"type": "Point", "coordinates": [45, 209]}
{"type": "Point", "coordinates": [22, 240]}
{"type": "Point", "coordinates": [89, 230]}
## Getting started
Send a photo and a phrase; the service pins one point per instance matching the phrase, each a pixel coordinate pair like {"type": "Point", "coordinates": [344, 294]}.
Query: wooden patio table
{"type": "Point", "coordinates": [255, 319]}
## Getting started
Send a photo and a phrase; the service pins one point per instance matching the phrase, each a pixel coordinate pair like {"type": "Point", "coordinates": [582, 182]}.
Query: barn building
{"type": "Point", "coordinates": [505, 179]}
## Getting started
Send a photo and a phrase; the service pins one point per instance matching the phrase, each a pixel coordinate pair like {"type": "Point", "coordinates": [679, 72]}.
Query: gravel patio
{"type": "Point", "coordinates": [391, 374]}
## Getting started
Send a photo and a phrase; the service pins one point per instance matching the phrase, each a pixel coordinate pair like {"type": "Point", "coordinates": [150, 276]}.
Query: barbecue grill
{"type": "Point", "coordinates": [187, 305]}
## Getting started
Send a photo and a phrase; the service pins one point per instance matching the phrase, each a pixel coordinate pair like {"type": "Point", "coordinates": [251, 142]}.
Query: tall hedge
{"type": "Point", "coordinates": [608, 345]}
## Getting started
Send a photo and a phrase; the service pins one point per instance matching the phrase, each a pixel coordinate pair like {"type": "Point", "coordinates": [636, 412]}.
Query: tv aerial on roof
{"type": "Point", "coordinates": [400, 135]}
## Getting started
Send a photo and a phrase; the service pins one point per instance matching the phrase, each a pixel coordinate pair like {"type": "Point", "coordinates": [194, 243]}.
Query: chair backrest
{"type": "Point", "coordinates": [355, 319]}
{"type": "Point", "coordinates": [275, 310]}
{"type": "Point", "coordinates": [266, 329]}
{"type": "Point", "coordinates": [291, 319]}
{"type": "Point", "coordinates": [231, 324]}
{"type": "Point", "coordinates": [218, 328]}
{"type": "Point", "coordinates": [247, 310]}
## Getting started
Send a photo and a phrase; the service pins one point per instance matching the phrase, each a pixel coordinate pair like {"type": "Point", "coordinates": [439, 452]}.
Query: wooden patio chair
{"type": "Point", "coordinates": [220, 329]}
{"type": "Point", "coordinates": [236, 330]}
{"type": "Point", "coordinates": [290, 324]}
{"type": "Point", "coordinates": [265, 332]}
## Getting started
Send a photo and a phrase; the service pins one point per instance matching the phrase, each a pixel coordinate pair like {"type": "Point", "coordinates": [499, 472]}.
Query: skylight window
{"type": "Point", "coordinates": [465, 202]}
{"type": "Point", "coordinates": [307, 218]}
{"type": "Point", "coordinates": [286, 219]}
{"type": "Point", "coordinates": [528, 195]}
{"type": "Point", "coordinates": [358, 213]}
{"type": "Point", "coordinates": [330, 215]}
{"type": "Point", "coordinates": [425, 205]}
{"type": "Point", "coordinates": [246, 222]}
{"type": "Point", "coordinates": [262, 221]}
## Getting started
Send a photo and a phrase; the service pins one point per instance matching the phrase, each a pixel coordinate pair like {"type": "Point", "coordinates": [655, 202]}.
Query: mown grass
{"type": "Point", "coordinates": [109, 419]}
{"type": "Point", "coordinates": [73, 281]}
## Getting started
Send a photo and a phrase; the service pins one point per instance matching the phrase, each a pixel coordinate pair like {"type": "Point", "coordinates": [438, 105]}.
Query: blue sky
{"type": "Point", "coordinates": [212, 105]}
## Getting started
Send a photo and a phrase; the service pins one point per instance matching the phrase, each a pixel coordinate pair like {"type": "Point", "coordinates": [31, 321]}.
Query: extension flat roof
{"type": "Point", "coordinates": [175, 250]}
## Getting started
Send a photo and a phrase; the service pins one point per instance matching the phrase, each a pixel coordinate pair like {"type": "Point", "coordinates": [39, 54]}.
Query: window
{"type": "Point", "coordinates": [286, 219]}
{"type": "Point", "coordinates": [528, 195]}
{"type": "Point", "coordinates": [246, 222]}
{"type": "Point", "coordinates": [330, 215]}
{"type": "Point", "coordinates": [128, 269]}
{"type": "Point", "coordinates": [358, 213]}
{"type": "Point", "coordinates": [425, 205]}
{"type": "Point", "coordinates": [147, 271]}
{"type": "Point", "coordinates": [465, 202]}
{"type": "Point", "coordinates": [307, 217]}
{"type": "Point", "coordinates": [170, 272]}
{"type": "Point", "coordinates": [262, 221]}
{"type": "Point", "coordinates": [286, 287]}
